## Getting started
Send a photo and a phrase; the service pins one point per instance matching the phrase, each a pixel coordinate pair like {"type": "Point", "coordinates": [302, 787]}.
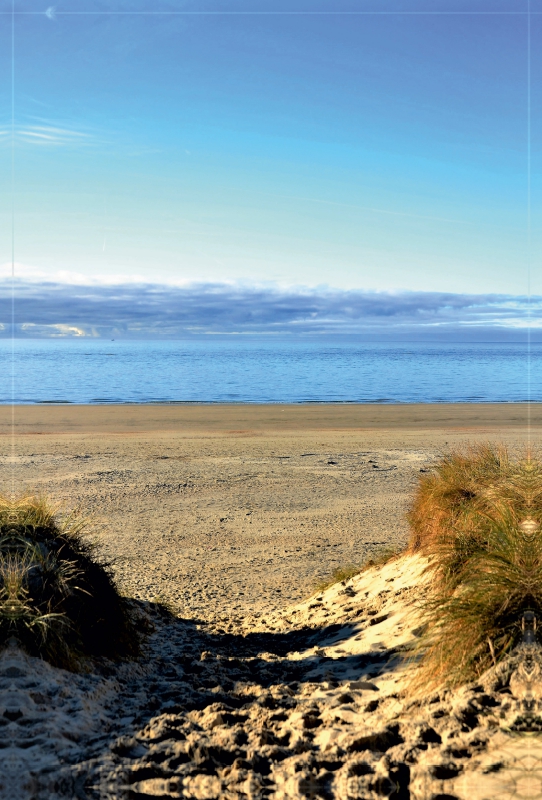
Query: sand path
{"type": "Point", "coordinates": [231, 514]}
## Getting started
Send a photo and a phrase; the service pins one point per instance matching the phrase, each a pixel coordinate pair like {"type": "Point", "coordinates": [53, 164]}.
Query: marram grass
{"type": "Point", "coordinates": [477, 517]}
{"type": "Point", "coordinates": [56, 600]}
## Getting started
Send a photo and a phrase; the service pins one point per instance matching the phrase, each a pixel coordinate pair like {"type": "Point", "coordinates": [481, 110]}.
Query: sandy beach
{"type": "Point", "coordinates": [253, 685]}
{"type": "Point", "coordinates": [225, 511]}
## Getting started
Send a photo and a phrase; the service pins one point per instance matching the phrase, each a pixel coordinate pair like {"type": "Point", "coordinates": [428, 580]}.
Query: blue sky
{"type": "Point", "coordinates": [290, 153]}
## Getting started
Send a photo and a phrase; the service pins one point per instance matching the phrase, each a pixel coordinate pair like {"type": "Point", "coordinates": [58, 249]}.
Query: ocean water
{"type": "Point", "coordinates": [265, 371]}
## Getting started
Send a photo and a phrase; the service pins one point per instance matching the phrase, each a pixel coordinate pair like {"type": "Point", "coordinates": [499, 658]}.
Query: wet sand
{"type": "Point", "coordinates": [222, 419]}
{"type": "Point", "coordinates": [228, 510]}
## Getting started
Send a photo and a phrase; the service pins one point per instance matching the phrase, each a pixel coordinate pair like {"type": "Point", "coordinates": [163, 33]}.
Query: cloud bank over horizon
{"type": "Point", "coordinates": [47, 309]}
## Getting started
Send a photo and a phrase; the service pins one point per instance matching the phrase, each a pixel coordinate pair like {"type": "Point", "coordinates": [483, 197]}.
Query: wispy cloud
{"type": "Point", "coordinates": [42, 133]}
{"type": "Point", "coordinates": [149, 310]}
{"type": "Point", "coordinates": [49, 135]}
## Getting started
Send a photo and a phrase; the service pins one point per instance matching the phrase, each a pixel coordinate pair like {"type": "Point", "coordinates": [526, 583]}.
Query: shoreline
{"type": "Point", "coordinates": [252, 418]}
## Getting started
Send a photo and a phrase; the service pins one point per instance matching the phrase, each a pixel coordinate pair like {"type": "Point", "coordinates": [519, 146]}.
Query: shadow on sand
{"type": "Point", "coordinates": [197, 715]}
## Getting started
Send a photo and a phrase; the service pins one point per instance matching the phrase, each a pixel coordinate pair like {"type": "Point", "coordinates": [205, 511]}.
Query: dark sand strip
{"type": "Point", "coordinates": [246, 419]}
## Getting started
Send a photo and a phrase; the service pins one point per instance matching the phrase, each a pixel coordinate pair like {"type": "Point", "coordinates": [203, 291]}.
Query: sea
{"type": "Point", "coordinates": [266, 370]}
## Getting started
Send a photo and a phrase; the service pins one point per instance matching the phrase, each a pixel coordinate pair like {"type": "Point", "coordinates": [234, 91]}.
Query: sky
{"type": "Point", "coordinates": [360, 160]}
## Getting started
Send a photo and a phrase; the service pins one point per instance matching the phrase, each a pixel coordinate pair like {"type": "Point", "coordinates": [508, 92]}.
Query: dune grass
{"type": "Point", "coordinates": [56, 599]}
{"type": "Point", "coordinates": [477, 517]}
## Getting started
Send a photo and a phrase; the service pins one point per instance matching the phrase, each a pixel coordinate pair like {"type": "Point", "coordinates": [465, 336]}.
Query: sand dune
{"type": "Point", "coordinates": [314, 703]}
{"type": "Point", "coordinates": [251, 690]}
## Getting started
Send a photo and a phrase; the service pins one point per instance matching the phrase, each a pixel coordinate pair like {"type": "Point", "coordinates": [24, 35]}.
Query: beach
{"type": "Point", "coordinates": [224, 511]}
{"type": "Point", "coordinates": [252, 683]}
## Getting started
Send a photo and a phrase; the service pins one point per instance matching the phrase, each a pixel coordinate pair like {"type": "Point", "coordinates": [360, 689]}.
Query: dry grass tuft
{"type": "Point", "coordinates": [56, 600]}
{"type": "Point", "coordinates": [478, 519]}
{"type": "Point", "coordinates": [451, 496]}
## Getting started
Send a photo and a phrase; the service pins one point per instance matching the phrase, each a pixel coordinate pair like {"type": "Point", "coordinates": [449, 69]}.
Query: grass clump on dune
{"type": "Point", "coordinates": [56, 600]}
{"type": "Point", "coordinates": [451, 497]}
{"type": "Point", "coordinates": [477, 517]}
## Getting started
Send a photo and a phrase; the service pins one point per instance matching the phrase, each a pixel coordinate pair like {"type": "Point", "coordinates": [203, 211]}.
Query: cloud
{"type": "Point", "coordinates": [45, 134]}
{"type": "Point", "coordinates": [50, 135]}
{"type": "Point", "coordinates": [158, 310]}
{"type": "Point", "coordinates": [59, 330]}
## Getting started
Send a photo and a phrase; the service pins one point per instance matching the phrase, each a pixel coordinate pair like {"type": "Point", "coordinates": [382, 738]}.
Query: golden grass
{"type": "Point", "coordinates": [477, 517]}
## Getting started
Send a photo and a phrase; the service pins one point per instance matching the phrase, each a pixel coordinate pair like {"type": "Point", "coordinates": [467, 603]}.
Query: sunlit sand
{"type": "Point", "coordinates": [250, 680]}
